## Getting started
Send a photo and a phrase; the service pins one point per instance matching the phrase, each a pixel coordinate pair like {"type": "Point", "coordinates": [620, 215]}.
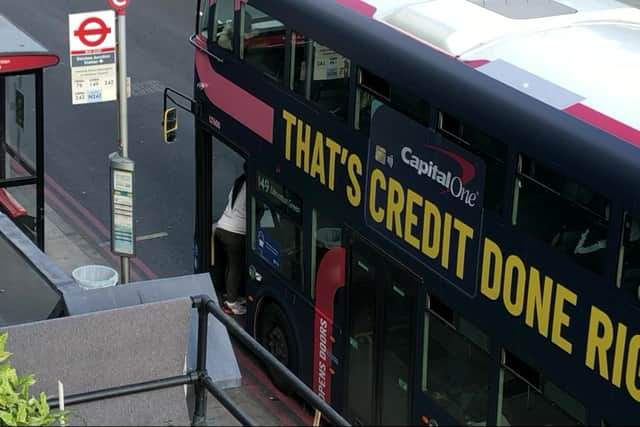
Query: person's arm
{"type": "Point", "coordinates": [581, 249]}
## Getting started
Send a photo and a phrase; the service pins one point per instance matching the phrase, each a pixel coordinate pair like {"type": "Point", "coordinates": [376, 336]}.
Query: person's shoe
{"type": "Point", "coordinates": [236, 307]}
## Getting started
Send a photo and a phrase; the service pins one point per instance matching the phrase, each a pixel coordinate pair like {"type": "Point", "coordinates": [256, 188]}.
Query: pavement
{"type": "Point", "coordinates": [73, 240]}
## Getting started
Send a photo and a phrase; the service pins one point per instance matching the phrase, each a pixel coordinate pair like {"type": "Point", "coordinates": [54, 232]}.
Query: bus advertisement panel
{"type": "Point", "coordinates": [425, 195]}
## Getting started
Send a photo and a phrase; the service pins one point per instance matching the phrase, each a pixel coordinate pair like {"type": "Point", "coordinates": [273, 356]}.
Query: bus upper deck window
{"type": "Point", "coordinates": [223, 18]}
{"type": "Point", "coordinates": [203, 18]}
{"type": "Point", "coordinates": [629, 264]}
{"type": "Point", "coordinates": [262, 42]}
{"type": "Point", "coordinates": [567, 215]}
{"type": "Point", "coordinates": [374, 91]}
{"type": "Point", "coordinates": [321, 75]}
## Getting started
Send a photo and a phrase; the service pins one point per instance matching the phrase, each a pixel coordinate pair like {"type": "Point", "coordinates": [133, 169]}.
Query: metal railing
{"type": "Point", "coordinates": [201, 380]}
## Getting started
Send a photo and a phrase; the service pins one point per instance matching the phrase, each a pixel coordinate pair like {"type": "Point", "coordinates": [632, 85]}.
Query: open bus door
{"type": "Point", "coordinates": [22, 60]}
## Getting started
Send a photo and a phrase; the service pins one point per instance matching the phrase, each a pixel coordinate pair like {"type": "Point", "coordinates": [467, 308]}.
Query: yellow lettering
{"type": "Point", "coordinates": [618, 355]}
{"type": "Point", "coordinates": [515, 305]}
{"type": "Point", "coordinates": [539, 302]}
{"type": "Point", "coordinates": [446, 240]}
{"type": "Point", "coordinates": [411, 219]}
{"type": "Point", "coordinates": [560, 318]}
{"type": "Point", "coordinates": [431, 230]}
{"type": "Point", "coordinates": [291, 120]}
{"type": "Point", "coordinates": [377, 181]}
{"type": "Point", "coordinates": [317, 161]}
{"type": "Point", "coordinates": [334, 149]}
{"type": "Point", "coordinates": [464, 232]}
{"type": "Point", "coordinates": [599, 343]}
{"type": "Point", "coordinates": [395, 203]}
{"type": "Point", "coordinates": [354, 167]}
{"type": "Point", "coordinates": [632, 368]}
{"type": "Point", "coordinates": [302, 146]}
{"type": "Point", "coordinates": [491, 256]}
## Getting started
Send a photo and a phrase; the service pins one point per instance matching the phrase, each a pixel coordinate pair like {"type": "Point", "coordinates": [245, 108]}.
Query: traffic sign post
{"type": "Point", "coordinates": [122, 233]}
{"type": "Point", "coordinates": [92, 50]}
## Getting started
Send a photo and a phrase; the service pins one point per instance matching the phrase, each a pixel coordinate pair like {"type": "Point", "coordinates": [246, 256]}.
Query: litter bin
{"type": "Point", "coordinates": [95, 276]}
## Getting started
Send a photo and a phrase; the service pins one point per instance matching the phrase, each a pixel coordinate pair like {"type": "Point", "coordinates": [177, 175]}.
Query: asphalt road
{"type": "Point", "coordinates": [79, 138]}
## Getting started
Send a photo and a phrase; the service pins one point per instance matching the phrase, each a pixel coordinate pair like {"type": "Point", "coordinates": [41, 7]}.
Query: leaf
{"type": "Point", "coordinates": [4, 355]}
{"type": "Point", "coordinates": [3, 340]}
{"type": "Point", "coordinates": [7, 418]}
{"type": "Point", "coordinates": [27, 380]}
{"type": "Point", "coordinates": [43, 406]}
{"type": "Point", "coordinates": [21, 416]}
{"type": "Point", "coordinates": [38, 421]}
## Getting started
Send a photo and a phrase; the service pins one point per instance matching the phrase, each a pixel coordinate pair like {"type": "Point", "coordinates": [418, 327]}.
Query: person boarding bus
{"type": "Point", "coordinates": [229, 240]}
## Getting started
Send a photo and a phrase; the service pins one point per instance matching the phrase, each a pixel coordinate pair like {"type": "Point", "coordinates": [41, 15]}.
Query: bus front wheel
{"type": "Point", "coordinates": [276, 336]}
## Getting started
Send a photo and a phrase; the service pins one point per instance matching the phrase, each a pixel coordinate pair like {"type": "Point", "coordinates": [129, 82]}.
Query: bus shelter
{"type": "Point", "coordinates": [22, 61]}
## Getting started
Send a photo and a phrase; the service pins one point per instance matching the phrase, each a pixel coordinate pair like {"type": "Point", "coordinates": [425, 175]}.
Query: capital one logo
{"type": "Point", "coordinates": [452, 182]}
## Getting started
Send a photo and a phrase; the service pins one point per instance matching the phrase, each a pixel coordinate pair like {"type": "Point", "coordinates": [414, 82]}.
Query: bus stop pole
{"type": "Point", "coordinates": [122, 111]}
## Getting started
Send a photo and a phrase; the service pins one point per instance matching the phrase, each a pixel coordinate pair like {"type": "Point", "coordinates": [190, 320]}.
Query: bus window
{"type": "Point", "coordinates": [455, 365]}
{"type": "Point", "coordinates": [491, 150]}
{"type": "Point", "coordinates": [327, 234]}
{"type": "Point", "coordinates": [277, 234]}
{"type": "Point", "coordinates": [557, 210]}
{"type": "Point", "coordinates": [223, 13]}
{"type": "Point", "coordinates": [629, 271]}
{"type": "Point", "coordinates": [374, 91]}
{"type": "Point", "coordinates": [320, 75]}
{"type": "Point", "coordinates": [203, 18]}
{"type": "Point", "coordinates": [262, 42]}
{"type": "Point", "coordinates": [527, 399]}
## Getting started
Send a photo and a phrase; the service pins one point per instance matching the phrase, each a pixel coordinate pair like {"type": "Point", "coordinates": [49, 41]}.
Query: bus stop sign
{"type": "Point", "coordinates": [119, 5]}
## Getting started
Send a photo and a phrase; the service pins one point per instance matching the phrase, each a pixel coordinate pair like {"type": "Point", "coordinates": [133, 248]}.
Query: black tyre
{"type": "Point", "coordinates": [275, 334]}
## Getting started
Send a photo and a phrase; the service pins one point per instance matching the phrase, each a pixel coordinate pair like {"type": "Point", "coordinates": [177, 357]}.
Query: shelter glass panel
{"type": "Point", "coordinates": [18, 126]}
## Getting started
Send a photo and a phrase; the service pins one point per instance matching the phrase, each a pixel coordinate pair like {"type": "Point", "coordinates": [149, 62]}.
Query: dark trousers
{"type": "Point", "coordinates": [229, 263]}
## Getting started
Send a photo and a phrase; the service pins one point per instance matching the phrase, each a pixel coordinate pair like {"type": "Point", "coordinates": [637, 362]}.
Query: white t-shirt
{"type": "Point", "coordinates": [233, 219]}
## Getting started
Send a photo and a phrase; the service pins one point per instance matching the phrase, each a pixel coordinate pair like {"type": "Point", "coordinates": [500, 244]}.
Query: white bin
{"type": "Point", "coordinates": [95, 276]}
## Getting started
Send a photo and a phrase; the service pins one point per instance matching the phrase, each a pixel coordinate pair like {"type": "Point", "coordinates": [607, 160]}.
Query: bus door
{"type": "Point", "coordinates": [381, 337]}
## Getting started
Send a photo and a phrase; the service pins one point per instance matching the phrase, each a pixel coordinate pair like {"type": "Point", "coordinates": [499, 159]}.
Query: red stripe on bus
{"type": "Point", "coordinates": [359, 6]}
{"type": "Point", "coordinates": [605, 123]}
{"type": "Point", "coordinates": [11, 205]}
{"type": "Point", "coordinates": [475, 63]}
{"type": "Point", "coordinates": [10, 63]}
{"type": "Point", "coordinates": [266, 41]}
{"type": "Point", "coordinates": [235, 101]}
{"type": "Point", "coordinates": [330, 278]}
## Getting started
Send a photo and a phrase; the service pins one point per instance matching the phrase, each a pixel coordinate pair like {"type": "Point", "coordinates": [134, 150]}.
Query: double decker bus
{"type": "Point", "coordinates": [442, 205]}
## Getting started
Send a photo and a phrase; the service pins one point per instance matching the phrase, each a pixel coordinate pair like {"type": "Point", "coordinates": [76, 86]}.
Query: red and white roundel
{"type": "Point", "coordinates": [119, 4]}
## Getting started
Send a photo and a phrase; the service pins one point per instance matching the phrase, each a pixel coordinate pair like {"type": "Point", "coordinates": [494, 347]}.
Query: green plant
{"type": "Point", "coordinates": [16, 407]}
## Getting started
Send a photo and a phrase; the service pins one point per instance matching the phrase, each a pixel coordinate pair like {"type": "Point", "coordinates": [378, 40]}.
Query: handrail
{"type": "Point", "coordinates": [201, 380]}
{"type": "Point", "coordinates": [192, 40]}
{"type": "Point", "coordinates": [305, 392]}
